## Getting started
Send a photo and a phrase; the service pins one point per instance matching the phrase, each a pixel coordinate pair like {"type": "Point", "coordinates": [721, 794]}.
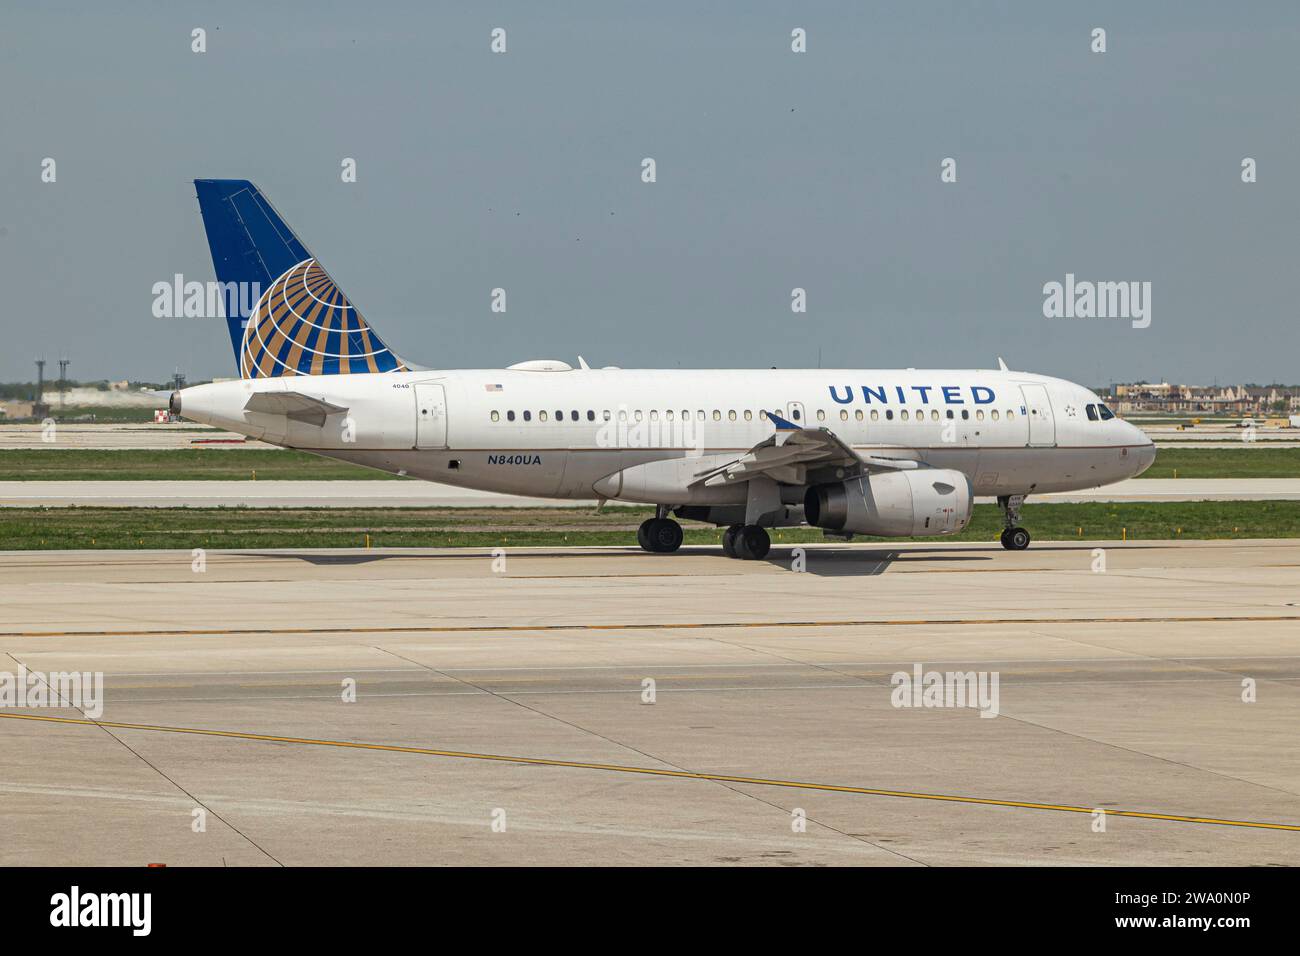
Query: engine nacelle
{"type": "Point", "coordinates": [893, 504]}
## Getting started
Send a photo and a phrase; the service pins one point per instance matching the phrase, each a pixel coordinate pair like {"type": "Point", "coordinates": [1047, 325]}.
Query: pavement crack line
{"type": "Point", "coordinates": [659, 772]}
{"type": "Point", "coordinates": [107, 728]}
{"type": "Point", "coordinates": [626, 746]}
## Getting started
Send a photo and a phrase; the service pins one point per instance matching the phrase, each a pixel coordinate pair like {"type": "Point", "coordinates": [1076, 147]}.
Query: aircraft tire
{"type": "Point", "coordinates": [1015, 539]}
{"type": "Point", "coordinates": [643, 534]}
{"type": "Point", "coordinates": [752, 543]}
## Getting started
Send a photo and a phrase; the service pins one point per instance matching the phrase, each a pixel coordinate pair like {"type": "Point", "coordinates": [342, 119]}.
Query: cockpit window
{"type": "Point", "coordinates": [1106, 413]}
{"type": "Point", "coordinates": [1092, 413]}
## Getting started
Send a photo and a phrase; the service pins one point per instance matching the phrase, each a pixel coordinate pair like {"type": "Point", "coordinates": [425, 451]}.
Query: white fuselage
{"type": "Point", "coordinates": [645, 435]}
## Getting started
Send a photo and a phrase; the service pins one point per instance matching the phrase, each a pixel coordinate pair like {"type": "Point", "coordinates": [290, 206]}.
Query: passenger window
{"type": "Point", "coordinates": [496, 416]}
{"type": "Point", "coordinates": [510, 416]}
{"type": "Point", "coordinates": [591, 415]}
{"type": "Point", "coordinates": [762, 414]}
{"type": "Point", "coordinates": [622, 414]}
{"type": "Point", "coordinates": [889, 414]}
{"type": "Point", "coordinates": [950, 413]}
{"type": "Point", "coordinates": [1010, 415]}
{"type": "Point", "coordinates": [574, 415]}
{"type": "Point", "coordinates": [797, 414]}
{"type": "Point", "coordinates": [607, 415]}
{"type": "Point", "coordinates": [994, 414]}
{"type": "Point", "coordinates": [700, 414]}
{"type": "Point", "coordinates": [637, 415]}
{"type": "Point", "coordinates": [934, 414]}
{"type": "Point", "coordinates": [844, 414]}
{"type": "Point", "coordinates": [654, 415]}
{"type": "Point", "coordinates": [858, 414]}
{"type": "Point", "coordinates": [528, 416]}
{"type": "Point", "coordinates": [875, 414]}
{"type": "Point", "coordinates": [965, 414]}
{"type": "Point", "coordinates": [903, 415]}
{"type": "Point", "coordinates": [749, 416]}
{"type": "Point", "coordinates": [979, 415]}
{"type": "Point", "coordinates": [821, 415]}
{"type": "Point", "coordinates": [541, 416]}
{"type": "Point", "coordinates": [731, 415]}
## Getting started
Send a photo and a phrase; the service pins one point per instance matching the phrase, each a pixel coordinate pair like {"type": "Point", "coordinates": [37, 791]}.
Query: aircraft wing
{"type": "Point", "coordinates": [295, 405]}
{"type": "Point", "coordinates": [792, 451]}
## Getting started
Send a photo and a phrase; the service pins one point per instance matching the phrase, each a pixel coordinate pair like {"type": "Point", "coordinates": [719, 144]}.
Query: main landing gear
{"type": "Point", "coordinates": [659, 535]}
{"type": "Point", "coordinates": [662, 535]}
{"type": "Point", "coordinates": [748, 542]}
{"type": "Point", "coordinates": [1014, 537]}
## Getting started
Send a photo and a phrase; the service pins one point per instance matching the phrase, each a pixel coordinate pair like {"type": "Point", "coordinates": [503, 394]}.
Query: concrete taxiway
{"type": "Point", "coordinates": [607, 706]}
{"type": "Point", "coordinates": [423, 494]}
{"type": "Point", "coordinates": [126, 435]}
{"type": "Point", "coordinates": [261, 494]}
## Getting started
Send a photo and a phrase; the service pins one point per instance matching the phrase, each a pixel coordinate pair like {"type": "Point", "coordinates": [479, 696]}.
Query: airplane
{"type": "Point", "coordinates": [880, 452]}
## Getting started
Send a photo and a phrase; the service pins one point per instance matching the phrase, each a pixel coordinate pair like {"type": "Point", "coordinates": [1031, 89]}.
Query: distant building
{"type": "Point", "coordinates": [1205, 399]}
{"type": "Point", "coordinates": [12, 410]}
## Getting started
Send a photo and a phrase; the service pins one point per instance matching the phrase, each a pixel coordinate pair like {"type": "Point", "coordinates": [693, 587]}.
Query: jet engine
{"type": "Point", "coordinates": [895, 504]}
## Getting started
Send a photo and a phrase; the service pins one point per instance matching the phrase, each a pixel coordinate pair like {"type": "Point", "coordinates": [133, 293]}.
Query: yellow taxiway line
{"type": "Point", "coordinates": [657, 772]}
{"type": "Point", "coordinates": [662, 626]}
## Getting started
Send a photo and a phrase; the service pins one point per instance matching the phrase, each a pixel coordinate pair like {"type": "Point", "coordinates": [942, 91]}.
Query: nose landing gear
{"type": "Point", "coordinates": [1014, 537]}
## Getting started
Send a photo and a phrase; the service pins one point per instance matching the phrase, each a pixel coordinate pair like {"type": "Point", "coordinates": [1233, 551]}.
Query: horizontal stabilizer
{"type": "Point", "coordinates": [295, 405]}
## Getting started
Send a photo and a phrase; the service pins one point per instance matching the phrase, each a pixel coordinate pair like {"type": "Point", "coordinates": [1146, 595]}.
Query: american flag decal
{"type": "Point", "coordinates": [493, 388]}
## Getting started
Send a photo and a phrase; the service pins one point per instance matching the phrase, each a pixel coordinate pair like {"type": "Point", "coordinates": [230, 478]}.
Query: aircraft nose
{"type": "Point", "coordinates": [1145, 454]}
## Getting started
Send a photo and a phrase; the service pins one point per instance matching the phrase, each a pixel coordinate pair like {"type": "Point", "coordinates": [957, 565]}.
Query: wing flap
{"type": "Point", "coordinates": [787, 455]}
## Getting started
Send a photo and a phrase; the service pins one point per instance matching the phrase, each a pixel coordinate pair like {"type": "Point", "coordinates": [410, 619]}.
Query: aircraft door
{"type": "Point", "coordinates": [1038, 411]}
{"type": "Point", "coordinates": [430, 416]}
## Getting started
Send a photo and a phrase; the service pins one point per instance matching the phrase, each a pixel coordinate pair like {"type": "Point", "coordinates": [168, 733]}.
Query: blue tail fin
{"type": "Point", "coordinates": [285, 314]}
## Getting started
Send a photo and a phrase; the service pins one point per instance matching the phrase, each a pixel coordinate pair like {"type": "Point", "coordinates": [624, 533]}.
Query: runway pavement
{"type": "Point", "coordinates": [609, 706]}
{"type": "Point", "coordinates": [261, 494]}
{"type": "Point", "coordinates": [132, 435]}
{"type": "Point", "coordinates": [393, 494]}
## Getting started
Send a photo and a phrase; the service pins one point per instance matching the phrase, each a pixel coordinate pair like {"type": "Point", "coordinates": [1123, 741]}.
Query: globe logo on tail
{"type": "Point", "coordinates": [304, 325]}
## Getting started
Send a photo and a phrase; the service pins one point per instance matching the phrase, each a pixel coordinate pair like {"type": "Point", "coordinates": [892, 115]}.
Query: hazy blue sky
{"type": "Point", "coordinates": [775, 170]}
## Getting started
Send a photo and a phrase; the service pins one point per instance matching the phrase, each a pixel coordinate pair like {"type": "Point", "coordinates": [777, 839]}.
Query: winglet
{"type": "Point", "coordinates": [781, 424]}
{"type": "Point", "coordinates": [1002, 366]}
